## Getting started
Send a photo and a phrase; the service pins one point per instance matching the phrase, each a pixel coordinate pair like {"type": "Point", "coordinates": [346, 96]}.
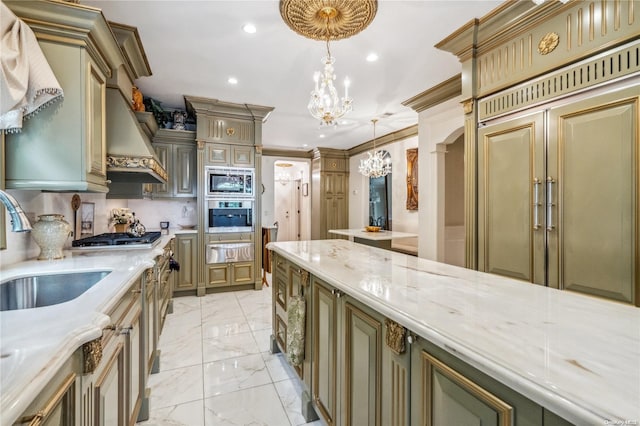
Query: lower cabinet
{"type": "Point", "coordinates": [187, 256]}
{"type": "Point", "coordinates": [361, 368]}
{"type": "Point", "coordinates": [230, 274]}
{"type": "Point", "coordinates": [348, 357]}
{"type": "Point", "coordinates": [58, 403]}
{"type": "Point", "coordinates": [446, 391]}
{"type": "Point", "coordinates": [114, 366]}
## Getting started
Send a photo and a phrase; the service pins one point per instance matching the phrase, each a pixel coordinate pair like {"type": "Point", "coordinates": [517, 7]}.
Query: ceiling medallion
{"type": "Point", "coordinates": [548, 43]}
{"type": "Point", "coordinates": [328, 20]}
{"type": "Point", "coordinates": [346, 17]}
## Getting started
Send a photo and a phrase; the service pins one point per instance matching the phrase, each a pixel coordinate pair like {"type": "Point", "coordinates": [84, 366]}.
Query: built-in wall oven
{"type": "Point", "coordinates": [229, 182]}
{"type": "Point", "coordinates": [229, 215]}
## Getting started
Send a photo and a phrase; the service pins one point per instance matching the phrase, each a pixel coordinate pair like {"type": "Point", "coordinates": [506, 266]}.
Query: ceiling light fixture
{"type": "Point", "coordinates": [328, 20]}
{"type": "Point", "coordinates": [249, 28]}
{"type": "Point", "coordinates": [372, 57]}
{"type": "Point", "coordinates": [232, 80]}
{"type": "Point", "coordinates": [377, 164]}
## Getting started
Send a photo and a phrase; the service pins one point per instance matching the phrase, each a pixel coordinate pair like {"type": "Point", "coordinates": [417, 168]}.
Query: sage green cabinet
{"type": "Point", "coordinates": [229, 155]}
{"type": "Point", "coordinates": [176, 152]}
{"type": "Point", "coordinates": [446, 391]}
{"type": "Point", "coordinates": [347, 358]}
{"type": "Point", "coordinates": [329, 198]}
{"type": "Point", "coordinates": [326, 349]}
{"type": "Point", "coordinates": [74, 126]}
{"type": "Point", "coordinates": [230, 274]}
{"type": "Point", "coordinates": [58, 403]}
{"type": "Point", "coordinates": [187, 256]}
{"type": "Point", "coordinates": [561, 210]}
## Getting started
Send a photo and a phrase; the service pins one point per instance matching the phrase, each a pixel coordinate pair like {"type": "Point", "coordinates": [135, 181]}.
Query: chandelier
{"type": "Point", "coordinates": [376, 165]}
{"type": "Point", "coordinates": [328, 20]}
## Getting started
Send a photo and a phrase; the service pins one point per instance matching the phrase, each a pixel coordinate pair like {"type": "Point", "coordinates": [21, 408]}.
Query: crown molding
{"type": "Point", "coordinates": [389, 138]}
{"type": "Point", "coordinates": [438, 94]}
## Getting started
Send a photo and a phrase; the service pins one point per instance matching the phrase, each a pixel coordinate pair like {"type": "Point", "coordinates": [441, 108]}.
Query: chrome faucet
{"type": "Point", "coordinates": [19, 220]}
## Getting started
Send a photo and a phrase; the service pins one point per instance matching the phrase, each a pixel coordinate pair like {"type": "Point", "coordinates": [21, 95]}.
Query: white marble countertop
{"type": "Point", "coordinates": [376, 236]}
{"type": "Point", "coordinates": [35, 343]}
{"type": "Point", "coordinates": [578, 356]}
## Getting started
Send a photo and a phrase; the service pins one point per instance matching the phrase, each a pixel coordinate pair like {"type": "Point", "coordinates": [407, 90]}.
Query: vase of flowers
{"type": "Point", "coordinates": [121, 218]}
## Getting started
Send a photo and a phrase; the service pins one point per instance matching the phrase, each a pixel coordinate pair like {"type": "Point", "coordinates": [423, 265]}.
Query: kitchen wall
{"type": "Point", "coordinates": [403, 220]}
{"type": "Point", "coordinates": [21, 246]}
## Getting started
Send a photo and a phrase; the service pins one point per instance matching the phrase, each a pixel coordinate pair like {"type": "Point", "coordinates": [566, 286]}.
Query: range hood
{"type": "Point", "coordinates": [130, 156]}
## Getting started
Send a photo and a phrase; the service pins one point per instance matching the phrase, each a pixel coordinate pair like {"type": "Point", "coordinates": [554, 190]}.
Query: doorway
{"type": "Point", "coordinates": [287, 194]}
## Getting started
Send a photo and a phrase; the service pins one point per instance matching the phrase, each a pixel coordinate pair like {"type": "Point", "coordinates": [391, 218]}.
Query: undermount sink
{"type": "Point", "coordinates": [45, 290]}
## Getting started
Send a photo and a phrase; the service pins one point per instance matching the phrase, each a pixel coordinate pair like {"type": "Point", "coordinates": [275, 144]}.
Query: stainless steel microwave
{"type": "Point", "coordinates": [230, 182]}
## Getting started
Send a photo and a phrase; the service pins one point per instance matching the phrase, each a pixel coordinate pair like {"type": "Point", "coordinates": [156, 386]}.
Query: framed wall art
{"type": "Point", "coordinates": [412, 179]}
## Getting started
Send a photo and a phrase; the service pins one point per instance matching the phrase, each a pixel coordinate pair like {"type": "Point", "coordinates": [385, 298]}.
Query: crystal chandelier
{"type": "Point", "coordinates": [325, 103]}
{"type": "Point", "coordinates": [376, 165]}
{"type": "Point", "coordinates": [328, 20]}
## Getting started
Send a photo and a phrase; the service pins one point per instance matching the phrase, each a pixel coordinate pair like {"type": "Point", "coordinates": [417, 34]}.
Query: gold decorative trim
{"type": "Point", "coordinates": [467, 106]}
{"type": "Point", "coordinates": [230, 131]}
{"type": "Point", "coordinates": [92, 355]}
{"type": "Point", "coordinates": [305, 278]}
{"type": "Point", "coordinates": [346, 18]}
{"type": "Point", "coordinates": [140, 163]}
{"type": "Point", "coordinates": [395, 337]}
{"type": "Point", "coordinates": [548, 43]}
{"type": "Point", "coordinates": [412, 179]}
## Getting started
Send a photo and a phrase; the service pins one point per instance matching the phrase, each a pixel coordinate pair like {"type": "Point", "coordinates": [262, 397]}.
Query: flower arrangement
{"type": "Point", "coordinates": [121, 216]}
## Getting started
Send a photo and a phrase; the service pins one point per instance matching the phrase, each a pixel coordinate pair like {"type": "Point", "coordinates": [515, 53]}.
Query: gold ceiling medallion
{"type": "Point", "coordinates": [346, 17]}
{"type": "Point", "coordinates": [548, 43]}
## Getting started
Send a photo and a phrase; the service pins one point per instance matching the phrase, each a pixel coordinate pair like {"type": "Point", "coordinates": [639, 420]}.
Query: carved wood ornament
{"type": "Point", "coordinates": [412, 179]}
{"type": "Point", "coordinates": [395, 336]}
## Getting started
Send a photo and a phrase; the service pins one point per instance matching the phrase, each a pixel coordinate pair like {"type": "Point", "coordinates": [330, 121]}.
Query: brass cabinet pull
{"type": "Point", "coordinates": [536, 203]}
{"type": "Point", "coordinates": [550, 204]}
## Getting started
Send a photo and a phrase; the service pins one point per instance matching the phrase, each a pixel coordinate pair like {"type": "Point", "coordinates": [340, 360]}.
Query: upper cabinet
{"type": "Point", "coordinates": [63, 147]}
{"type": "Point", "coordinates": [219, 154]}
{"type": "Point", "coordinates": [176, 151]}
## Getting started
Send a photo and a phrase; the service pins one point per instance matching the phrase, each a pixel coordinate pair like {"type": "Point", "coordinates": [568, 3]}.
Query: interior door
{"type": "Point", "coordinates": [593, 231]}
{"type": "Point", "coordinates": [510, 196]}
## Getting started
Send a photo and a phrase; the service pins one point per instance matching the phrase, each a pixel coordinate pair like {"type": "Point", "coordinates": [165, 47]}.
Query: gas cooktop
{"type": "Point", "coordinates": [117, 239]}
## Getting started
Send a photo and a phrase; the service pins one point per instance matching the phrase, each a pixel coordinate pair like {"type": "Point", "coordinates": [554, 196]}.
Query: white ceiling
{"type": "Point", "coordinates": [193, 47]}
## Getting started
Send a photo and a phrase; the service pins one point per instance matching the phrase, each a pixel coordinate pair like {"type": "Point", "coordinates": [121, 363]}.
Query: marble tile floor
{"type": "Point", "coordinates": [216, 368]}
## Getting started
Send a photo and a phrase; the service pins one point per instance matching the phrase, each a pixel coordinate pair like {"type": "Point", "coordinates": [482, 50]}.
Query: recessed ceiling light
{"type": "Point", "coordinates": [322, 135]}
{"type": "Point", "coordinates": [232, 80]}
{"type": "Point", "coordinates": [304, 145]}
{"type": "Point", "coordinates": [372, 57]}
{"type": "Point", "coordinates": [249, 28]}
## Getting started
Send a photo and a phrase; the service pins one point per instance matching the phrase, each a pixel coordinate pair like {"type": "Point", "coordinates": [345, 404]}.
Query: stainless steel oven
{"type": "Point", "coordinates": [229, 215]}
{"type": "Point", "coordinates": [229, 182]}
{"type": "Point", "coordinates": [229, 252]}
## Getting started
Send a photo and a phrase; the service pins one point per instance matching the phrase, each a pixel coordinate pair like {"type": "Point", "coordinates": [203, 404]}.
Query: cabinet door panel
{"type": "Point", "coordinates": [325, 351]}
{"type": "Point", "coordinates": [449, 398]}
{"type": "Point", "coordinates": [218, 275]}
{"type": "Point", "coordinates": [363, 362]}
{"type": "Point", "coordinates": [510, 159]}
{"type": "Point", "coordinates": [186, 252]}
{"type": "Point", "coordinates": [593, 155]}
{"type": "Point", "coordinates": [109, 391]}
{"type": "Point", "coordinates": [185, 171]}
{"type": "Point", "coordinates": [219, 155]}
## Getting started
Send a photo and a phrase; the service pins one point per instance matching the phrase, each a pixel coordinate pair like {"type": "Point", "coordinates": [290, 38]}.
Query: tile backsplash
{"type": "Point", "coordinates": [21, 246]}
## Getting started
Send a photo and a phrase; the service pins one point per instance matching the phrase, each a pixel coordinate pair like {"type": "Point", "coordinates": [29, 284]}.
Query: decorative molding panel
{"type": "Point", "coordinates": [581, 29]}
{"type": "Point", "coordinates": [621, 62]}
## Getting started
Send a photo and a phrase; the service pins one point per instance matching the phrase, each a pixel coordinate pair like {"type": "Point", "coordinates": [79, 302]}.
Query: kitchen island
{"type": "Point", "coordinates": [526, 353]}
{"type": "Point", "coordinates": [381, 239]}
{"type": "Point", "coordinates": [37, 344]}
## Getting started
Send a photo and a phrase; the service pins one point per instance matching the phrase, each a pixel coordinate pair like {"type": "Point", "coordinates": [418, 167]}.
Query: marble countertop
{"type": "Point", "coordinates": [376, 236]}
{"type": "Point", "coordinates": [578, 356]}
{"type": "Point", "coordinates": [35, 343]}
